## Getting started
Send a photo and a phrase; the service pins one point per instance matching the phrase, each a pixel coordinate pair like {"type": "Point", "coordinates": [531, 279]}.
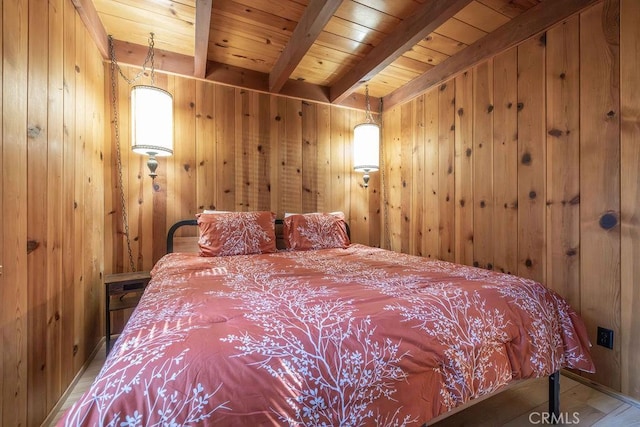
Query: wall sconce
{"type": "Point", "coordinates": [151, 124]}
{"type": "Point", "coordinates": [366, 144]}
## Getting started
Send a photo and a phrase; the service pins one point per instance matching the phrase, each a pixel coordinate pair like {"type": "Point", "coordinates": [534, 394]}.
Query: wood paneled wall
{"type": "Point", "coordinates": [239, 150]}
{"type": "Point", "coordinates": [528, 164]}
{"type": "Point", "coordinates": [52, 204]}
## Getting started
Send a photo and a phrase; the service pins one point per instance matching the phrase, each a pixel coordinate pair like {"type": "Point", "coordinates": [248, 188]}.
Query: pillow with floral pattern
{"type": "Point", "coordinates": [236, 233]}
{"type": "Point", "coordinates": [309, 231]}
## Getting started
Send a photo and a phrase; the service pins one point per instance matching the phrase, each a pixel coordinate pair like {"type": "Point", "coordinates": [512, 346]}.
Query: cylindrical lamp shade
{"type": "Point", "coordinates": [151, 121]}
{"type": "Point", "coordinates": [366, 147]}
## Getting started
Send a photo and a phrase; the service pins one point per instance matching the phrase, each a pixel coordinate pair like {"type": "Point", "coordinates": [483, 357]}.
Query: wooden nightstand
{"type": "Point", "coordinates": [122, 290]}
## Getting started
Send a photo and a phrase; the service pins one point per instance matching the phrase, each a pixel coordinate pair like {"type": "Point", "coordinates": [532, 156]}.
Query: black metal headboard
{"type": "Point", "coordinates": [173, 230]}
{"type": "Point", "coordinates": [186, 222]}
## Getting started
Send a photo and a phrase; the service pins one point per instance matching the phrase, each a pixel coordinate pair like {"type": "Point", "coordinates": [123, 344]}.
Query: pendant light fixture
{"type": "Point", "coordinates": [151, 119]}
{"type": "Point", "coordinates": [151, 124]}
{"type": "Point", "coordinates": [366, 144]}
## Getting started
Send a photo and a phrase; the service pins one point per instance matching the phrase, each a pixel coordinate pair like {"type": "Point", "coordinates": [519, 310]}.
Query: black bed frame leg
{"type": "Point", "coordinates": [554, 397]}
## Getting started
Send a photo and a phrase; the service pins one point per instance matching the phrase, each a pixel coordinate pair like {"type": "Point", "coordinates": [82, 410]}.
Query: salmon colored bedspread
{"type": "Point", "coordinates": [356, 336]}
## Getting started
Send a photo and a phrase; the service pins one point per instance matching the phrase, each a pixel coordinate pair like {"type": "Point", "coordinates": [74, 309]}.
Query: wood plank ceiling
{"type": "Point", "coordinates": [320, 50]}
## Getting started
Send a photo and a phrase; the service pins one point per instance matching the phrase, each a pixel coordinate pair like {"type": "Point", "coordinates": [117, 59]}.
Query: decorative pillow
{"type": "Point", "coordinates": [236, 233]}
{"type": "Point", "coordinates": [315, 231]}
{"type": "Point", "coordinates": [339, 214]}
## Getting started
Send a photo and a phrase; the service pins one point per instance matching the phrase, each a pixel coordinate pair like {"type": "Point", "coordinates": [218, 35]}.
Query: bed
{"type": "Point", "coordinates": [327, 333]}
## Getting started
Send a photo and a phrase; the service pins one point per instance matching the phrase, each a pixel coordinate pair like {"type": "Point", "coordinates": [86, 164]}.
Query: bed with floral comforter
{"type": "Point", "coordinates": [355, 336]}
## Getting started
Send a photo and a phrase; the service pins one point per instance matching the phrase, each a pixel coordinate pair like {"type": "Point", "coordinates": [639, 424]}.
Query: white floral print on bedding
{"type": "Point", "coordinates": [369, 369]}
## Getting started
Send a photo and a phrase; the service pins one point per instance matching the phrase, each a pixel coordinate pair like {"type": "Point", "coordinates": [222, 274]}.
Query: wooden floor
{"type": "Point", "coordinates": [520, 406]}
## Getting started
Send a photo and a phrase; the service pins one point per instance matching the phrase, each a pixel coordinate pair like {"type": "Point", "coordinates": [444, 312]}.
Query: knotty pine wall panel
{"type": "Point", "coordinates": [532, 155]}
{"type": "Point", "coordinates": [600, 181]}
{"type": "Point", "coordinates": [56, 380]}
{"type": "Point", "coordinates": [505, 161]}
{"type": "Point", "coordinates": [408, 179]}
{"type": "Point", "coordinates": [630, 191]}
{"type": "Point", "coordinates": [391, 175]}
{"type": "Point", "coordinates": [79, 155]}
{"type": "Point", "coordinates": [431, 219]}
{"type": "Point", "coordinates": [51, 192]}
{"type": "Point", "coordinates": [563, 148]}
{"type": "Point", "coordinates": [37, 207]}
{"type": "Point", "coordinates": [463, 150]}
{"type": "Point", "coordinates": [446, 182]}
{"type": "Point", "coordinates": [483, 165]}
{"type": "Point", "coordinates": [14, 295]}
{"type": "Point", "coordinates": [546, 135]}
{"type": "Point", "coordinates": [415, 182]}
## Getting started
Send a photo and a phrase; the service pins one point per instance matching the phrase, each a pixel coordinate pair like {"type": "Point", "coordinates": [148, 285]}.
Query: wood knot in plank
{"type": "Point", "coordinates": [32, 245]}
{"type": "Point", "coordinates": [33, 131]}
{"type": "Point", "coordinates": [555, 132]}
{"type": "Point", "coordinates": [543, 39]}
{"type": "Point", "coordinates": [526, 159]}
{"type": "Point", "coordinates": [609, 220]}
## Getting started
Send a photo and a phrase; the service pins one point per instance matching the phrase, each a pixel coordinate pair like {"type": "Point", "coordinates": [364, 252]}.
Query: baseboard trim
{"type": "Point", "coordinates": [56, 408]}
{"type": "Point", "coordinates": [603, 389]}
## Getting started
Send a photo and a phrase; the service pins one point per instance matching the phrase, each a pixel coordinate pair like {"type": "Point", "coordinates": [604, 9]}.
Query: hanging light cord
{"type": "Point", "coordinates": [385, 185]}
{"type": "Point", "coordinates": [368, 115]}
{"type": "Point", "coordinates": [115, 68]}
{"type": "Point", "coordinates": [149, 59]}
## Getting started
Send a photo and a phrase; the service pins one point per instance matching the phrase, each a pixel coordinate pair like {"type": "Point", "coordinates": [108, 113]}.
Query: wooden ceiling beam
{"type": "Point", "coordinates": [203, 25]}
{"type": "Point", "coordinates": [89, 16]}
{"type": "Point", "coordinates": [534, 21]}
{"type": "Point", "coordinates": [315, 18]}
{"type": "Point", "coordinates": [241, 77]}
{"type": "Point", "coordinates": [423, 22]}
{"type": "Point", "coordinates": [135, 54]}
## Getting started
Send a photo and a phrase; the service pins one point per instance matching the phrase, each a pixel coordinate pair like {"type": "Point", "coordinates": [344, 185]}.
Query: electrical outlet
{"type": "Point", "coordinates": [605, 337]}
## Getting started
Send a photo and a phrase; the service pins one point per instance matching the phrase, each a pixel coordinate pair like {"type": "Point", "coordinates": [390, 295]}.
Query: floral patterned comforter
{"type": "Point", "coordinates": [356, 336]}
